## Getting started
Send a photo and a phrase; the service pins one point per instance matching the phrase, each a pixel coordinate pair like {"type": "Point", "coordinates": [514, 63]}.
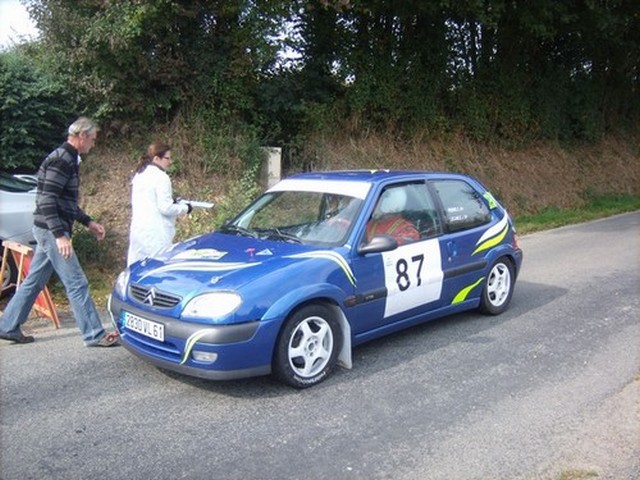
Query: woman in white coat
{"type": "Point", "coordinates": [154, 210]}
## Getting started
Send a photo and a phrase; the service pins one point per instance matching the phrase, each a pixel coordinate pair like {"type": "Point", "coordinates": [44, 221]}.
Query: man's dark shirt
{"type": "Point", "coordinates": [57, 198]}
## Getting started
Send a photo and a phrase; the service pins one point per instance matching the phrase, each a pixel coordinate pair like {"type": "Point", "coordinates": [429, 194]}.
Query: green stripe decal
{"type": "Point", "coordinates": [462, 294]}
{"type": "Point", "coordinates": [191, 342]}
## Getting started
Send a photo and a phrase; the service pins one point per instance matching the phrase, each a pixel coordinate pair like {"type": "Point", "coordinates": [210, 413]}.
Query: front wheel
{"type": "Point", "coordinates": [308, 347]}
{"type": "Point", "coordinates": [498, 288]}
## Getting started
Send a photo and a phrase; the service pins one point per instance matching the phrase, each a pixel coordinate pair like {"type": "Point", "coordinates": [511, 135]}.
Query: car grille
{"type": "Point", "coordinates": [153, 297]}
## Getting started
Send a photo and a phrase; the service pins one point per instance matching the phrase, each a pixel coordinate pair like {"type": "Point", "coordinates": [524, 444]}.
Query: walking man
{"type": "Point", "coordinates": [56, 210]}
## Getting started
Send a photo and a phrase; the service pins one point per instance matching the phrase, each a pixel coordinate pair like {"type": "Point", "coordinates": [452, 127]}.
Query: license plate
{"type": "Point", "coordinates": [144, 327]}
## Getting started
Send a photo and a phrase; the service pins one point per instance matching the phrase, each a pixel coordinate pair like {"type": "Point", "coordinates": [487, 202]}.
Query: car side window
{"type": "Point", "coordinates": [422, 210]}
{"type": "Point", "coordinates": [463, 206]}
{"type": "Point", "coordinates": [406, 212]}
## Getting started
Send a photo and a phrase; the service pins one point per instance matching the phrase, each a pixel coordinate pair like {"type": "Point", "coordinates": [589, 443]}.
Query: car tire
{"type": "Point", "coordinates": [9, 276]}
{"type": "Point", "coordinates": [308, 346]}
{"type": "Point", "coordinates": [498, 288]}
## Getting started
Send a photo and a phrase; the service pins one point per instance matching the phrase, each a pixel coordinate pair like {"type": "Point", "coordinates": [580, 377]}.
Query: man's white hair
{"type": "Point", "coordinates": [82, 124]}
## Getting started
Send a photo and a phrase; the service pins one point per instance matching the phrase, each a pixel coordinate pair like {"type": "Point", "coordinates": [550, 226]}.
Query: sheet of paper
{"type": "Point", "coordinates": [195, 203]}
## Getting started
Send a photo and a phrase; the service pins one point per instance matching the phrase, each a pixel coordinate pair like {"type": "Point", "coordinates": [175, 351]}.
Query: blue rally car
{"type": "Point", "coordinates": [316, 265]}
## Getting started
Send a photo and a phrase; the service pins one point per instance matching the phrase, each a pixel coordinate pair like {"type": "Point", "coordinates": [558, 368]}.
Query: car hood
{"type": "Point", "coordinates": [219, 261]}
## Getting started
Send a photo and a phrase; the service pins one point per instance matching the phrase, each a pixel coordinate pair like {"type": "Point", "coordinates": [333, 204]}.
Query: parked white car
{"type": "Point", "coordinates": [17, 203]}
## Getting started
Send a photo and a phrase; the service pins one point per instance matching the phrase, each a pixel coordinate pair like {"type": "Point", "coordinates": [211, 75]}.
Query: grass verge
{"type": "Point", "coordinates": [595, 207]}
{"type": "Point", "coordinates": [577, 475]}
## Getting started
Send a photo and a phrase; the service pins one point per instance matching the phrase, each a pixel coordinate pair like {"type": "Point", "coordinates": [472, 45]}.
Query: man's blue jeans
{"type": "Point", "coordinates": [45, 260]}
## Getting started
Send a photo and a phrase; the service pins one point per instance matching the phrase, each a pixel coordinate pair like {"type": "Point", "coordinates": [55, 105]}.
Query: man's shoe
{"type": "Point", "coordinates": [108, 340]}
{"type": "Point", "coordinates": [17, 337]}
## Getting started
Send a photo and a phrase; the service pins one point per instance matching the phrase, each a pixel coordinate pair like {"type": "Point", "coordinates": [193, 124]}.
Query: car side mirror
{"type": "Point", "coordinates": [379, 243]}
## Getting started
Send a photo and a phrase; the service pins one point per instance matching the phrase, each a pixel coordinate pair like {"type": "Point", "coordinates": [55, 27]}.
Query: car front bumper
{"type": "Point", "coordinates": [242, 350]}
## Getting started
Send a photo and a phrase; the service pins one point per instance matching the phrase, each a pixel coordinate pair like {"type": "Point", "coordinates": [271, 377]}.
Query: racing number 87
{"type": "Point", "coordinates": [402, 269]}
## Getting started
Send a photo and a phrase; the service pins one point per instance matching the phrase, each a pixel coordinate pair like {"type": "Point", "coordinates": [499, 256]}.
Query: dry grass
{"type": "Point", "coordinates": [527, 181]}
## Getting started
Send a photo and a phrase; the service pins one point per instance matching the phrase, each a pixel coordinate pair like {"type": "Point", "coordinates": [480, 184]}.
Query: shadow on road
{"type": "Point", "coordinates": [395, 349]}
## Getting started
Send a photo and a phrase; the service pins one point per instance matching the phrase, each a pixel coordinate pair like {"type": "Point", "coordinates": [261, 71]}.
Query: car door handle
{"type": "Point", "coordinates": [452, 248]}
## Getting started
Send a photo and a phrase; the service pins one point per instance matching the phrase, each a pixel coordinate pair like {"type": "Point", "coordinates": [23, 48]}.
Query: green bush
{"type": "Point", "coordinates": [34, 110]}
{"type": "Point", "coordinates": [90, 252]}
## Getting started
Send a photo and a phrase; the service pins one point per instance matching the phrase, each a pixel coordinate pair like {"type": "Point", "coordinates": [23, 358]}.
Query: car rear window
{"type": "Point", "coordinates": [463, 206]}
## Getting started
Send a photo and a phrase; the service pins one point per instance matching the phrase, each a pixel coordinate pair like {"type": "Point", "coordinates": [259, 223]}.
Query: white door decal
{"type": "Point", "coordinates": [413, 276]}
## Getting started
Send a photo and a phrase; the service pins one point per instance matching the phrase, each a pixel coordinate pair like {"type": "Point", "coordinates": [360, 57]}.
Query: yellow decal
{"type": "Point", "coordinates": [491, 200]}
{"type": "Point", "coordinates": [334, 257]}
{"type": "Point", "coordinates": [462, 294]}
{"type": "Point", "coordinates": [492, 242]}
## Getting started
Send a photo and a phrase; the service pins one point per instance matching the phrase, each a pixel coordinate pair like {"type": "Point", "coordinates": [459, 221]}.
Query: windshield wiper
{"type": "Point", "coordinates": [276, 234]}
{"type": "Point", "coordinates": [231, 228]}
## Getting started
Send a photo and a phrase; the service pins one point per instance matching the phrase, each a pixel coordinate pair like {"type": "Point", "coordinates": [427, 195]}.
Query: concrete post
{"type": "Point", "coordinates": [272, 168]}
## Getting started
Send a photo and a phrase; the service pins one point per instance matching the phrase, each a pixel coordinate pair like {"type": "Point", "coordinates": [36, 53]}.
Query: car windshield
{"type": "Point", "coordinates": [315, 218]}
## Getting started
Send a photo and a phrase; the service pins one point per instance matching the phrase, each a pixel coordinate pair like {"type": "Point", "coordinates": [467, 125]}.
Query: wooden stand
{"type": "Point", "coordinates": [22, 255]}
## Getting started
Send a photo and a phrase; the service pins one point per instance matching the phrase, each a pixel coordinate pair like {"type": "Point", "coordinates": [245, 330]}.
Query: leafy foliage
{"type": "Point", "coordinates": [33, 108]}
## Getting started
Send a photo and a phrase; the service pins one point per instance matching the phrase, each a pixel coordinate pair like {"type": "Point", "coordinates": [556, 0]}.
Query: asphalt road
{"type": "Point", "coordinates": [539, 390]}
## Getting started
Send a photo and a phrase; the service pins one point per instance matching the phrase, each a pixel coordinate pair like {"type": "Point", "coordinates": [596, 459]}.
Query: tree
{"type": "Point", "coordinates": [493, 69]}
{"type": "Point", "coordinates": [138, 61]}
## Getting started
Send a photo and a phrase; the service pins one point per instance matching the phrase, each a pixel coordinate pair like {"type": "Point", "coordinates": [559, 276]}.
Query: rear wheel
{"type": "Point", "coordinates": [498, 288]}
{"type": "Point", "coordinates": [308, 346]}
{"type": "Point", "coordinates": [9, 275]}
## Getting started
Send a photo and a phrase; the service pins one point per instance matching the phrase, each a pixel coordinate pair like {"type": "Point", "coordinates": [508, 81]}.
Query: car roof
{"type": "Point", "coordinates": [376, 176]}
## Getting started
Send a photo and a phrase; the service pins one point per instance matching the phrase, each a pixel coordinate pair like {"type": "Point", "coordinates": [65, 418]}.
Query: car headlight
{"type": "Point", "coordinates": [121, 283]}
{"type": "Point", "coordinates": [212, 305]}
